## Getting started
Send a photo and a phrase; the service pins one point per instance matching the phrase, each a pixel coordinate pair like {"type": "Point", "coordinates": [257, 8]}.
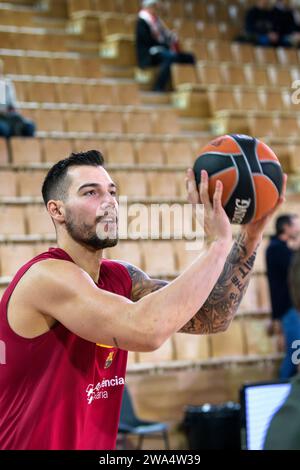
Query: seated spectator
{"type": "Point", "coordinates": [259, 27]}
{"type": "Point", "coordinates": [285, 24]}
{"type": "Point", "coordinates": [157, 45]}
{"type": "Point", "coordinates": [11, 122]}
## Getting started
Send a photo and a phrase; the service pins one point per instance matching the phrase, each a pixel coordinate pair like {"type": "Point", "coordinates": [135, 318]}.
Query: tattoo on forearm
{"type": "Point", "coordinates": [221, 305]}
{"type": "Point", "coordinates": [116, 342]}
{"type": "Point", "coordinates": [142, 284]}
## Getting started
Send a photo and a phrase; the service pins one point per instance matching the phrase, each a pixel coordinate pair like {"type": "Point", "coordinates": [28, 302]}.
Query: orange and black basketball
{"type": "Point", "coordinates": [250, 172]}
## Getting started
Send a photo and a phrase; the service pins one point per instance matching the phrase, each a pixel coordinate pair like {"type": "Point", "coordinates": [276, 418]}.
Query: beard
{"type": "Point", "coordinates": [86, 234]}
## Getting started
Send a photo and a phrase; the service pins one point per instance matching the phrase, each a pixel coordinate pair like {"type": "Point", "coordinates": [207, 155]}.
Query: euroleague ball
{"type": "Point", "coordinates": [250, 172]}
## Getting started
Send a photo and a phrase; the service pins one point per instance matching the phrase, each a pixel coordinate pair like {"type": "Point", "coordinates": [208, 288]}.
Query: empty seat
{"type": "Point", "coordinates": [221, 100]}
{"type": "Point", "coordinates": [191, 347]}
{"type": "Point", "coordinates": [110, 122]}
{"type": "Point", "coordinates": [273, 100]}
{"type": "Point", "coordinates": [126, 251]}
{"type": "Point", "coordinates": [149, 153]}
{"type": "Point", "coordinates": [230, 343]}
{"type": "Point", "coordinates": [257, 340]}
{"type": "Point", "coordinates": [79, 121]}
{"type": "Point", "coordinates": [3, 152]}
{"type": "Point", "coordinates": [261, 126]}
{"type": "Point", "coordinates": [243, 53]}
{"type": "Point", "coordinates": [25, 151]}
{"type": "Point", "coordinates": [220, 51]}
{"type": "Point", "coordinates": [162, 185]}
{"type": "Point", "coordinates": [50, 120]}
{"type": "Point", "coordinates": [38, 220]}
{"type": "Point", "coordinates": [64, 67]}
{"type": "Point", "coordinates": [138, 122]}
{"type": "Point", "coordinates": [100, 94]}
{"type": "Point", "coordinates": [166, 122]}
{"type": "Point", "coordinates": [159, 258]}
{"type": "Point", "coordinates": [12, 220]}
{"type": "Point", "coordinates": [33, 66]}
{"type": "Point", "coordinates": [210, 74]}
{"type": "Point", "coordinates": [54, 150]}
{"type": "Point", "coordinates": [11, 64]}
{"type": "Point", "coordinates": [70, 93]}
{"type": "Point", "coordinates": [249, 100]}
{"type": "Point", "coordinates": [30, 182]}
{"type": "Point", "coordinates": [259, 76]}
{"type": "Point", "coordinates": [131, 184]}
{"type": "Point", "coordinates": [178, 153]}
{"type": "Point", "coordinates": [89, 67]}
{"type": "Point", "coordinates": [265, 55]}
{"type": "Point", "coordinates": [127, 94]}
{"type": "Point", "coordinates": [41, 92]}
{"type": "Point", "coordinates": [120, 152]}
{"type": "Point", "coordinates": [82, 145]}
{"type": "Point", "coordinates": [14, 256]}
{"type": "Point", "coordinates": [8, 183]}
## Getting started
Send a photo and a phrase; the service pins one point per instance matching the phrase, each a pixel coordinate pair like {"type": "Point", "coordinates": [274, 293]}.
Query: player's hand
{"type": "Point", "coordinates": [216, 222]}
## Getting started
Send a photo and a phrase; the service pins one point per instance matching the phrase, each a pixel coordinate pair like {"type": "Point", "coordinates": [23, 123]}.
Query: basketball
{"type": "Point", "coordinates": [250, 172]}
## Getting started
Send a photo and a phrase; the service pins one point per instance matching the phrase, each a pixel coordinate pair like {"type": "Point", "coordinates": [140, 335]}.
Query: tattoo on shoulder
{"type": "Point", "coordinates": [142, 284]}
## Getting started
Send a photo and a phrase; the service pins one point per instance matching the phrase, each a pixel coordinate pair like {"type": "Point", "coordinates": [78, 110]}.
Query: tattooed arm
{"type": "Point", "coordinates": [222, 303]}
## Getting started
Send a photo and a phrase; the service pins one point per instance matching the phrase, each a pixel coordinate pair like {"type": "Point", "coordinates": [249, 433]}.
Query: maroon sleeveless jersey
{"type": "Point", "coordinates": [59, 391]}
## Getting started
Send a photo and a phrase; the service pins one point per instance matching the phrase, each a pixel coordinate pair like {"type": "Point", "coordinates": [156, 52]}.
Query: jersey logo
{"type": "Point", "coordinates": [109, 360]}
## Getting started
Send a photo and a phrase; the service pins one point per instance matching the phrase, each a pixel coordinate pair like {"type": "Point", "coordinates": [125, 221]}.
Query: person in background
{"type": "Point", "coordinates": [259, 28]}
{"type": "Point", "coordinates": [287, 417]}
{"type": "Point", "coordinates": [157, 45]}
{"type": "Point", "coordinates": [285, 24]}
{"type": "Point", "coordinates": [285, 317]}
{"type": "Point", "coordinates": [12, 123]}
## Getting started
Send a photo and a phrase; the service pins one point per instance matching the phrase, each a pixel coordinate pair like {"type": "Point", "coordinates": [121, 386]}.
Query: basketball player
{"type": "Point", "coordinates": [69, 316]}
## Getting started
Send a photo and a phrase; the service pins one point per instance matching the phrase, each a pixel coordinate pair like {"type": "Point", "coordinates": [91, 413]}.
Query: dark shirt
{"type": "Point", "coordinates": [278, 258]}
{"type": "Point", "coordinates": [144, 41]}
{"type": "Point", "coordinates": [283, 21]}
{"type": "Point", "coordinates": [258, 21]}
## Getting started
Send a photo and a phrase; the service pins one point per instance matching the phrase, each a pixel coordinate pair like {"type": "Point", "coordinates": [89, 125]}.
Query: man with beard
{"type": "Point", "coordinates": [69, 316]}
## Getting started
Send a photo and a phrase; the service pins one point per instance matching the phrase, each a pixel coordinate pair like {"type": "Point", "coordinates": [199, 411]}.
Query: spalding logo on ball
{"type": "Point", "coordinates": [250, 172]}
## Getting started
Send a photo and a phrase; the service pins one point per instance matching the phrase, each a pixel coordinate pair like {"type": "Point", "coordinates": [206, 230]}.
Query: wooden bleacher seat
{"type": "Point", "coordinates": [79, 121]}
{"type": "Point", "coordinates": [49, 120]}
{"type": "Point", "coordinates": [264, 302]}
{"type": "Point", "coordinates": [21, 90]}
{"type": "Point", "coordinates": [179, 153]}
{"type": "Point", "coordinates": [265, 55]}
{"type": "Point", "coordinates": [159, 258]}
{"type": "Point", "coordinates": [70, 93]}
{"type": "Point", "coordinates": [243, 53]}
{"type": "Point", "coordinates": [120, 152]}
{"type": "Point", "coordinates": [89, 67]}
{"type": "Point", "coordinates": [12, 220]}
{"type": "Point", "coordinates": [127, 94]}
{"type": "Point", "coordinates": [288, 56]}
{"type": "Point", "coordinates": [14, 256]}
{"type": "Point", "coordinates": [219, 51]}
{"type": "Point", "coordinates": [110, 122]}
{"type": "Point", "coordinates": [3, 152]}
{"type": "Point", "coordinates": [184, 74]}
{"type": "Point", "coordinates": [8, 183]}
{"type": "Point", "coordinates": [251, 301]}
{"type": "Point", "coordinates": [138, 122]}
{"type": "Point", "coordinates": [162, 184]}
{"type": "Point", "coordinates": [149, 153]}
{"type": "Point", "coordinates": [11, 64]}
{"type": "Point", "coordinates": [259, 76]}
{"type": "Point", "coordinates": [280, 76]}
{"type": "Point", "coordinates": [82, 145]}
{"type": "Point", "coordinates": [25, 150]}
{"type": "Point", "coordinates": [42, 92]}
{"type": "Point", "coordinates": [100, 94]}
{"type": "Point", "coordinates": [191, 347]}
{"type": "Point", "coordinates": [249, 100]}
{"type": "Point", "coordinates": [126, 251]}
{"type": "Point", "coordinates": [209, 74]}
{"type": "Point", "coordinates": [34, 66]}
{"type": "Point", "coordinates": [30, 182]}
{"type": "Point", "coordinates": [133, 184]}
{"type": "Point", "coordinates": [257, 341]}
{"type": "Point", "coordinates": [38, 220]}
{"type": "Point", "coordinates": [229, 343]}
{"type": "Point", "coordinates": [63, 67]}
{"type": "Point", "coordinates": [54, 150]}
{"type": "Point", "coordinates": [165, 121]}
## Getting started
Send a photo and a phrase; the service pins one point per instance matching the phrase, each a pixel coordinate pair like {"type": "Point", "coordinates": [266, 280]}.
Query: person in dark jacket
{"type": "Point", "coordinates": [284, 315]}
{"type": "Point", "coordinates": [284, 430]}
{"type": "Point", "coordinates": [156, 44]}
{"type": "Point", "coordinates": [259, 28]}
{"type": "Point", "coordinates": [285, 24]}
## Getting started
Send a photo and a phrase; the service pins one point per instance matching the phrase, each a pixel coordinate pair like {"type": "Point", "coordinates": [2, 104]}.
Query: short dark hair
{"type": "Point", "coordinates": [55, 184]}
{"type": "Point", "coordinates": [282, 221]}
